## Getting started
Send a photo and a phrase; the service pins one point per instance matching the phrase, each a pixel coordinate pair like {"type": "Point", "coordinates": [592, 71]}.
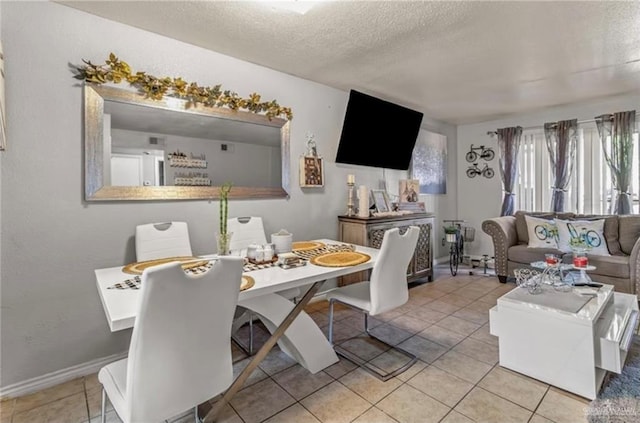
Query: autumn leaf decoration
{"type": "Point", "coordinates": [117, 71]}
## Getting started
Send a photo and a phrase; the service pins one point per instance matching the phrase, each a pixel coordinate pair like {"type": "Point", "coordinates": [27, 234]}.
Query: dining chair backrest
{"type": "Point", "coordinates": [245, 231]}
{"type": "Point", "coordinates": [180, 350]}
{"type": "Point", "coordinates": [388, 282]}
{"type": "Point", "coordinates": [161, 240]}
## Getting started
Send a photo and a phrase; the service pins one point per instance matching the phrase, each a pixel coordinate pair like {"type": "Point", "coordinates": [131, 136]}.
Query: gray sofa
{"type": "Point", "coordinates": [622, 234]}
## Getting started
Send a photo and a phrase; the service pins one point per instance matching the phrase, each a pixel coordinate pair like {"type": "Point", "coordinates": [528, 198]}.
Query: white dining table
{"type": "Point", "coordinates": [291, 328]}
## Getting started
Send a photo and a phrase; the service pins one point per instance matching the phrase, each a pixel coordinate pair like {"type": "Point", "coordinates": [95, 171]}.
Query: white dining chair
{"type": "Point", "coordinates": [385, 290]}
{"type": "Point", "coordinates": [180, 350]}
{"type": "Point", "coordinates": [160, 240]}
{"type": "Point", "coordinates": [245, 231]}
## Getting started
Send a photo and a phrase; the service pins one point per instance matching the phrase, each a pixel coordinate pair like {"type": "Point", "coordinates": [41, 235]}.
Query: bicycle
{"type": "Point", "coordinates": [589, 238]}
{"type": "Point", "coordinates": [486, 171]}
{"type": "Point", "coordinates": [453, 235]}
{"type": "Point", "coordinates": [486, 153]}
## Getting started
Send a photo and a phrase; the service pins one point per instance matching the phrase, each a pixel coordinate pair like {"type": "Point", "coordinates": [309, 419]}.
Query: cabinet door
{"type": "Point", "coordinates": [423, 259]}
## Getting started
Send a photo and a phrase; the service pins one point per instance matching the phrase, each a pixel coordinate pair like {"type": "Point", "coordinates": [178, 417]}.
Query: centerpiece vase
{"type": "Point", "coordinates": [224, 240]}
{"type": "Point", "coordinates": [224, 237]}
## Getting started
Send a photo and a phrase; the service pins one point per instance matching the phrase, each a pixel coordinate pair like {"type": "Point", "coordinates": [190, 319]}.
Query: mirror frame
{"type": "Point", "coordinates": [95, 190]}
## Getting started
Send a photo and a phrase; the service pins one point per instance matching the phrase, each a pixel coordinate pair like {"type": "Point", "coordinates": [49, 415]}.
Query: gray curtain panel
{"type": "Point", "coordinates": [509, 140]}
{"type": "Point", "coordinates": [561, 144]}
{"type": "Point", "coordinates": [619, 157]}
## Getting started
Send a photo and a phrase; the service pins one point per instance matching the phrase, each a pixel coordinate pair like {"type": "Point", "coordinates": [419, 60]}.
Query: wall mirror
{"type": "Point", "coordinates": [142, 149]}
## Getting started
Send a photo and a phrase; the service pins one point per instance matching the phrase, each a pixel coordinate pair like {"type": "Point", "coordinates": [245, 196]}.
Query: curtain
{"type": "Point", "coordinates": [509, 140]}
{"type": "Point", "coordinates": [616, 137]}
{"type": "Point", "coordinates": [561, 144]}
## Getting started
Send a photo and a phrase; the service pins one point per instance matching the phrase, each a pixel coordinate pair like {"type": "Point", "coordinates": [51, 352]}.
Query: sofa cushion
{"type": "Point", "coordinates": [542, 233]}
{"type": "Point", "coordinates": [614, 266]}
{"type": "Point", "coordinates": [591, 232]}
{"type": "Point", "coordinates": [629, 229]}
{"type": "Point", "coordinates": [523, 254]}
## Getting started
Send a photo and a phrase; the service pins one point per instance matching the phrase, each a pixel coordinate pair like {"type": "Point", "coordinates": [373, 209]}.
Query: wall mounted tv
{"type": "Point", "coordinates": [377, 133]}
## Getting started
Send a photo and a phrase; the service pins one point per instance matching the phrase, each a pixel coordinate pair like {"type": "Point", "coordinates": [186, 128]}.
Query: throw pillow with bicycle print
{"type": "Point", "coordinates": [586, 235]}
{"type": "Point", "coordinates": [476, 153]}
{"type": "Point", "coordinates": [543, 233]}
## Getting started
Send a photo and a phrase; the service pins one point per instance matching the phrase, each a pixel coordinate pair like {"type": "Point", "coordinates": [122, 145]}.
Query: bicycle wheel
{"type": "Point", "coordinates": [471, 172]}
{"type": "Point", "coordinates": [471, 156]}
{"type": "Point", "coordinates": [453, 259]}
{"type": "Point", "coordinates": [488, 173]}
{"type": "Point", "coordinates": [593, 239]}
{"type": "Point", "coordinates": [488, 154]}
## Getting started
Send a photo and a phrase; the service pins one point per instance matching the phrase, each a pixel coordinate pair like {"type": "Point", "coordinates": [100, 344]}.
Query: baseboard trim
{"type": "Point", "coordinates": [54, 378]}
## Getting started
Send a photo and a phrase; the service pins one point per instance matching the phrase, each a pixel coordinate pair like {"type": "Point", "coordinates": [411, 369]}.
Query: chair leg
{"type": "Point", "coordinates": [363, 363]}
{"type": "Point", "coordinates": [195, 413]}
{"type": "Point", "coordinates": [247, 349]}
{"type": "Point", "coordinates": [250, 333]}
{"type": "Point", "coordinates": [103, 406]}
{"type": "Point", "coordinates": [331, 301]}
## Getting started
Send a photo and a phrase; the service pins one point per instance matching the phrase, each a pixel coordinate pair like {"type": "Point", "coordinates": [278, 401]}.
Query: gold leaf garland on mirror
{"type": "Point", "coordinates": [116, 71]}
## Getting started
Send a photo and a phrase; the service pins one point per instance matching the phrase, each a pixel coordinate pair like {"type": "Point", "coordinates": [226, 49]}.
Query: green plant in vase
{"type": "Point", "coordinates": [224, 237]}
{"type": "Point", "coordinates": [451, 233]}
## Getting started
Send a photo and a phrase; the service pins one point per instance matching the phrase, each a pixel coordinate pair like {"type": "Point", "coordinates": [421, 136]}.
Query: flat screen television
{"type": "Point", "coordinates": [377, 133]}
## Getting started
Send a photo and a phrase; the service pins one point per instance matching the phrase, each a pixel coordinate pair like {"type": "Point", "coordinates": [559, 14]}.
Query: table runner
{"type": "Point", "coordinates": [134, 283]}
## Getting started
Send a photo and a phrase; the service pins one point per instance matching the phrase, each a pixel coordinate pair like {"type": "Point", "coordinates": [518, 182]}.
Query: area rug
{"type": "Point", "coordinates": [619, 399]}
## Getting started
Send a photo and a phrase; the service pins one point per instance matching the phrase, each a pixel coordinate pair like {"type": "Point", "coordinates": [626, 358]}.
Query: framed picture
{"type": "Point", "coordinates": [429, 162]}
{"type": "Point", "coordinates": [311, 171]}
{"type": "Point", "coordinates": [409, 189]}
{"type": "Point", "coordinates": [380, 200]}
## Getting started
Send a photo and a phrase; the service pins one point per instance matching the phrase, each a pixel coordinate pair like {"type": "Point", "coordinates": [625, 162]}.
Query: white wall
{"type": "Point", "coordinates": [481, 198]}
{"type": "Point", "coordinates": [52, 240]}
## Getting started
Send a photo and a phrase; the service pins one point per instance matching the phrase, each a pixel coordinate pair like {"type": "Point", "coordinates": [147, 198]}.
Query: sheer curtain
{"type": "Point", "coordinates": [561, 140]}
{"type": "Point", "coordinates": [509, 140]}
{"type": "Point", "coordinates": [616, 136]}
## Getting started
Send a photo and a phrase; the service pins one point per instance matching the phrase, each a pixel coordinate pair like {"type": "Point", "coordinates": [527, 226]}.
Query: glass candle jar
{"type": "Point", "coordinates": [551, 259]}
{"type": "Point", "coordinates": [580, 259]}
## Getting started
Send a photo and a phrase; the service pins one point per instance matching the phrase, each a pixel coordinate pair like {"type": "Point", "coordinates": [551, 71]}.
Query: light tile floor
{"type": "Point", "coordinates": [457, 378]}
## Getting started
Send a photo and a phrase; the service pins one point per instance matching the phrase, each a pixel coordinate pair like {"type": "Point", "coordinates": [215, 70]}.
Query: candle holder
{"type": "Point", "coordinates": [351, 208]}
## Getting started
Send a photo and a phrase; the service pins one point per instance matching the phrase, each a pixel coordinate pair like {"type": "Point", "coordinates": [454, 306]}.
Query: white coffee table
{"type": "Point", "coordinates": [569, 350]}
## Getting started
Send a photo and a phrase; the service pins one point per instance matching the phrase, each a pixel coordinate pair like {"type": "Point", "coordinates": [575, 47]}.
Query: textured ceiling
{"type": "Point", "coordinates": [460, 62]}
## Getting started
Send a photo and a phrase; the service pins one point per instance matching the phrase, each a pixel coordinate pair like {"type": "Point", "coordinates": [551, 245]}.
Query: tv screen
{"type": "Point", "coordinates": [377, 133]}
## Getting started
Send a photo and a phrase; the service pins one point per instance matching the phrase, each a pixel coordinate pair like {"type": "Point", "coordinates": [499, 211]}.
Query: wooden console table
{"type": "Point", "coordinates": [369, 232]}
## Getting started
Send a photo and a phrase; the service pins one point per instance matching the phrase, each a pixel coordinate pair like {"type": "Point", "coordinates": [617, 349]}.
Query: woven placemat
{"type": "Point", "coordinates": [340, 259]}
{"type": "Point", "coordinates": [138, 267]}
{"type": "Point", "coordinates": [306, 245]}
{"type": "Point", "coordinates": [247, 282]}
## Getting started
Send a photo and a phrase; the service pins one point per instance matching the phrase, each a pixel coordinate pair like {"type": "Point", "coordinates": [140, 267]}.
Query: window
{"type": "Point", "coordinates": [591, 187]}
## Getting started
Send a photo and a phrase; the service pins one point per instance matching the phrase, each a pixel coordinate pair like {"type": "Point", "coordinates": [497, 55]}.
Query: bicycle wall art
{"type": "Point", "coordinates": [476, 153]}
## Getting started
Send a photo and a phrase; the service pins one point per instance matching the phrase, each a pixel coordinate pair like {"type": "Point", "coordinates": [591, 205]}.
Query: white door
{"type": "Point", "coordinates": [126, 170]}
